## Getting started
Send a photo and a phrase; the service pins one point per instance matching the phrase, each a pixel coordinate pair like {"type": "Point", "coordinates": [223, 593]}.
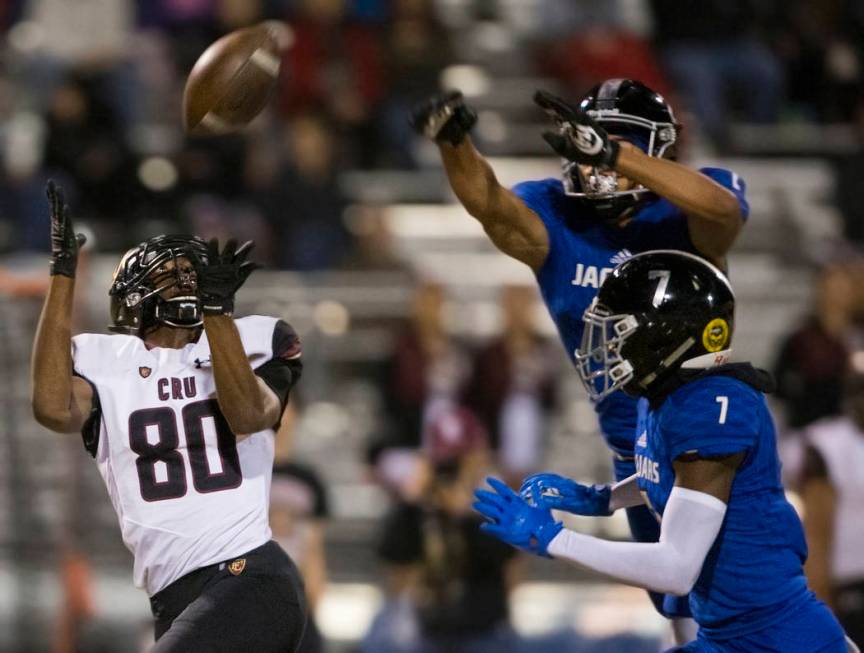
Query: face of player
{"type": "Point", "coordinates": [621, 182]}
{"type": "Point", "coordinates": [179, 273]}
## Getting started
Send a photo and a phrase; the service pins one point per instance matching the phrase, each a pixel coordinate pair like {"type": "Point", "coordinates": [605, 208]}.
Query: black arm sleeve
{"type": "Point", "coordinates": [92, 426]}
{"type": "Point", "coordinates": [282, 371]}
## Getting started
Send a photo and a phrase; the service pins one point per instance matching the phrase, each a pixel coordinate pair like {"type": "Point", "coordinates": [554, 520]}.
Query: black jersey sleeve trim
{"type": "Point", "coordinates": [92, 426]}
{"type": "Point", "coordinates": [280, 376]}
{"type": "Point", "coordinates": [285, 343]}
{"type": "Point", "coordinates": [284, 369]}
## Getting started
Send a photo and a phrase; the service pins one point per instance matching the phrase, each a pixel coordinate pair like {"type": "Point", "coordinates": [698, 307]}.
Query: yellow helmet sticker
{"type": "Point", "coordinates": [715, 335]}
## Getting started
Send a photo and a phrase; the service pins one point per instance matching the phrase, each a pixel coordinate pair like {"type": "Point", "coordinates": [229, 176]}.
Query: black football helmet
{"type": "Point", "coordinates": [137, 306]}
{"type": "Point", "coordinates": [639, 115]}
{"type": "Point", "coordinates": [655, 313]}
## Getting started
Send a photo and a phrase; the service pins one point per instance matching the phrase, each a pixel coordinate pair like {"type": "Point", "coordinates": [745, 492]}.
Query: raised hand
{"type": "Point", "coordinates": [444, 118]}
{"type": "Point", "coordinates": [578, 138]}
{"type": "Point", "coordinates": [65, 243]}
{"type": "Point", "coordinates": [558, 493]}
{"type": "Point", "coordinates": [222, 275]}
{"type": "Point", "coordinates": [513, 520]}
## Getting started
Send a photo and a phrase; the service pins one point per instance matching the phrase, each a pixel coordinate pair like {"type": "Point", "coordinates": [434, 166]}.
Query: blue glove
{"type": "Point", "coordinates": [558, 493]}
{"type": "Point", "coordinates": [514, 521]}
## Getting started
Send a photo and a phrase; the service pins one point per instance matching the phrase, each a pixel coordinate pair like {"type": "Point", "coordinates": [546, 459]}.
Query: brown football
{"type": "Point", "coordinates": [232, 81]}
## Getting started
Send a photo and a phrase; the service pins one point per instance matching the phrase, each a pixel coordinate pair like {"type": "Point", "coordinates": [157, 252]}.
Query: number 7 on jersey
{"type": "Point", "coordinates": [724, 407]}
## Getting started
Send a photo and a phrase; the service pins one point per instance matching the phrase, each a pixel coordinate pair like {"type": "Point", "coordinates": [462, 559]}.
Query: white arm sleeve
{"type": "Point", "coordinates": [690, 525]}
{"type": "Point", "coordinates": [625, 494]}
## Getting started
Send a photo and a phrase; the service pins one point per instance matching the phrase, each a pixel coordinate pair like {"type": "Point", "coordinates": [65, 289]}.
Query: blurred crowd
{"type": "Point", "coordinates": [454, 414]}
{"type": "Point", "coordinates": [819, 369]}
{"type": "Point", "coordinates": [90, 93]}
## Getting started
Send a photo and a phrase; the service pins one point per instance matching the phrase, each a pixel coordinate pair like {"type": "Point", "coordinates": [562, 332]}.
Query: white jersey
{"type": "Point", "coordinates": [186, 492]}
{"type": "Point", "coordinates": [841, 445]}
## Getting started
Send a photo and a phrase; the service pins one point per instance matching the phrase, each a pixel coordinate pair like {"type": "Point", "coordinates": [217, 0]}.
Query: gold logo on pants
{"type": "Point", "coordinates": [237, 566]}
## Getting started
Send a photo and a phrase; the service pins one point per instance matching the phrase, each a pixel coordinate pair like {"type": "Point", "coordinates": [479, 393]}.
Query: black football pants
{"type": "Point", "coordinates": [254, 602]}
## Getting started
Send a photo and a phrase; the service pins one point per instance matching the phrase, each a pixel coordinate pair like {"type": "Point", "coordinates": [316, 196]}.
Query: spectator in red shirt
{"type": "Point", "coordinates": [335, 64]}
{"type": "Point", "coordinates": [812, 360]}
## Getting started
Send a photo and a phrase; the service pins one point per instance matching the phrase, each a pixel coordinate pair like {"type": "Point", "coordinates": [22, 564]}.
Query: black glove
{"type": "Point", "coordinates": [65, 243]}
{"type": "Point", "coordinates": [444, 118]}
{"type": "Point", "coordinates": [222, 276]}
{"type": "Point", "coordinates": [579, 138]}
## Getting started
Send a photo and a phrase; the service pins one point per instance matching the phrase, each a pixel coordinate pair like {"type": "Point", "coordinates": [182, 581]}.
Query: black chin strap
{"type": "Point", "coordinates": [171, 313]}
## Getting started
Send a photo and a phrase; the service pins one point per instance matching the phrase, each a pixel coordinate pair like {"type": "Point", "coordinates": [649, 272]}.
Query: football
{"type": "Point", "coordinates": [232, 81]}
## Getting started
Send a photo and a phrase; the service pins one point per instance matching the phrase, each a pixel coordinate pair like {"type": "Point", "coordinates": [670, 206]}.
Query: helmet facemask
{"type": "Point", "coordinates": [138, 300]}
{"type": "Point", "coordinates": [599, 359]}
{"type": "Point", "coordinates": [184, 309]}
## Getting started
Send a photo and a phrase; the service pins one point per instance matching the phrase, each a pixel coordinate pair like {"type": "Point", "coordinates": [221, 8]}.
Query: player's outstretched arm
{"type": "Point", "coordinates": [713, 212]}
{"type": "Point", "coordinates": [245, 400]}
{"type": "Point", "coordinates": [514, 228]}
{"type": "Point", "coordinates": [691, 522]}
{"type": "Point", "coordinates": [60, 401]}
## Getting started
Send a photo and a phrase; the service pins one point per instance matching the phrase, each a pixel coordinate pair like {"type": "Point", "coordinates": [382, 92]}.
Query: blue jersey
{"type": "Point", "coordinates": [583, 250]}
{"type": "Point", "coordinates": [753, 575]}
